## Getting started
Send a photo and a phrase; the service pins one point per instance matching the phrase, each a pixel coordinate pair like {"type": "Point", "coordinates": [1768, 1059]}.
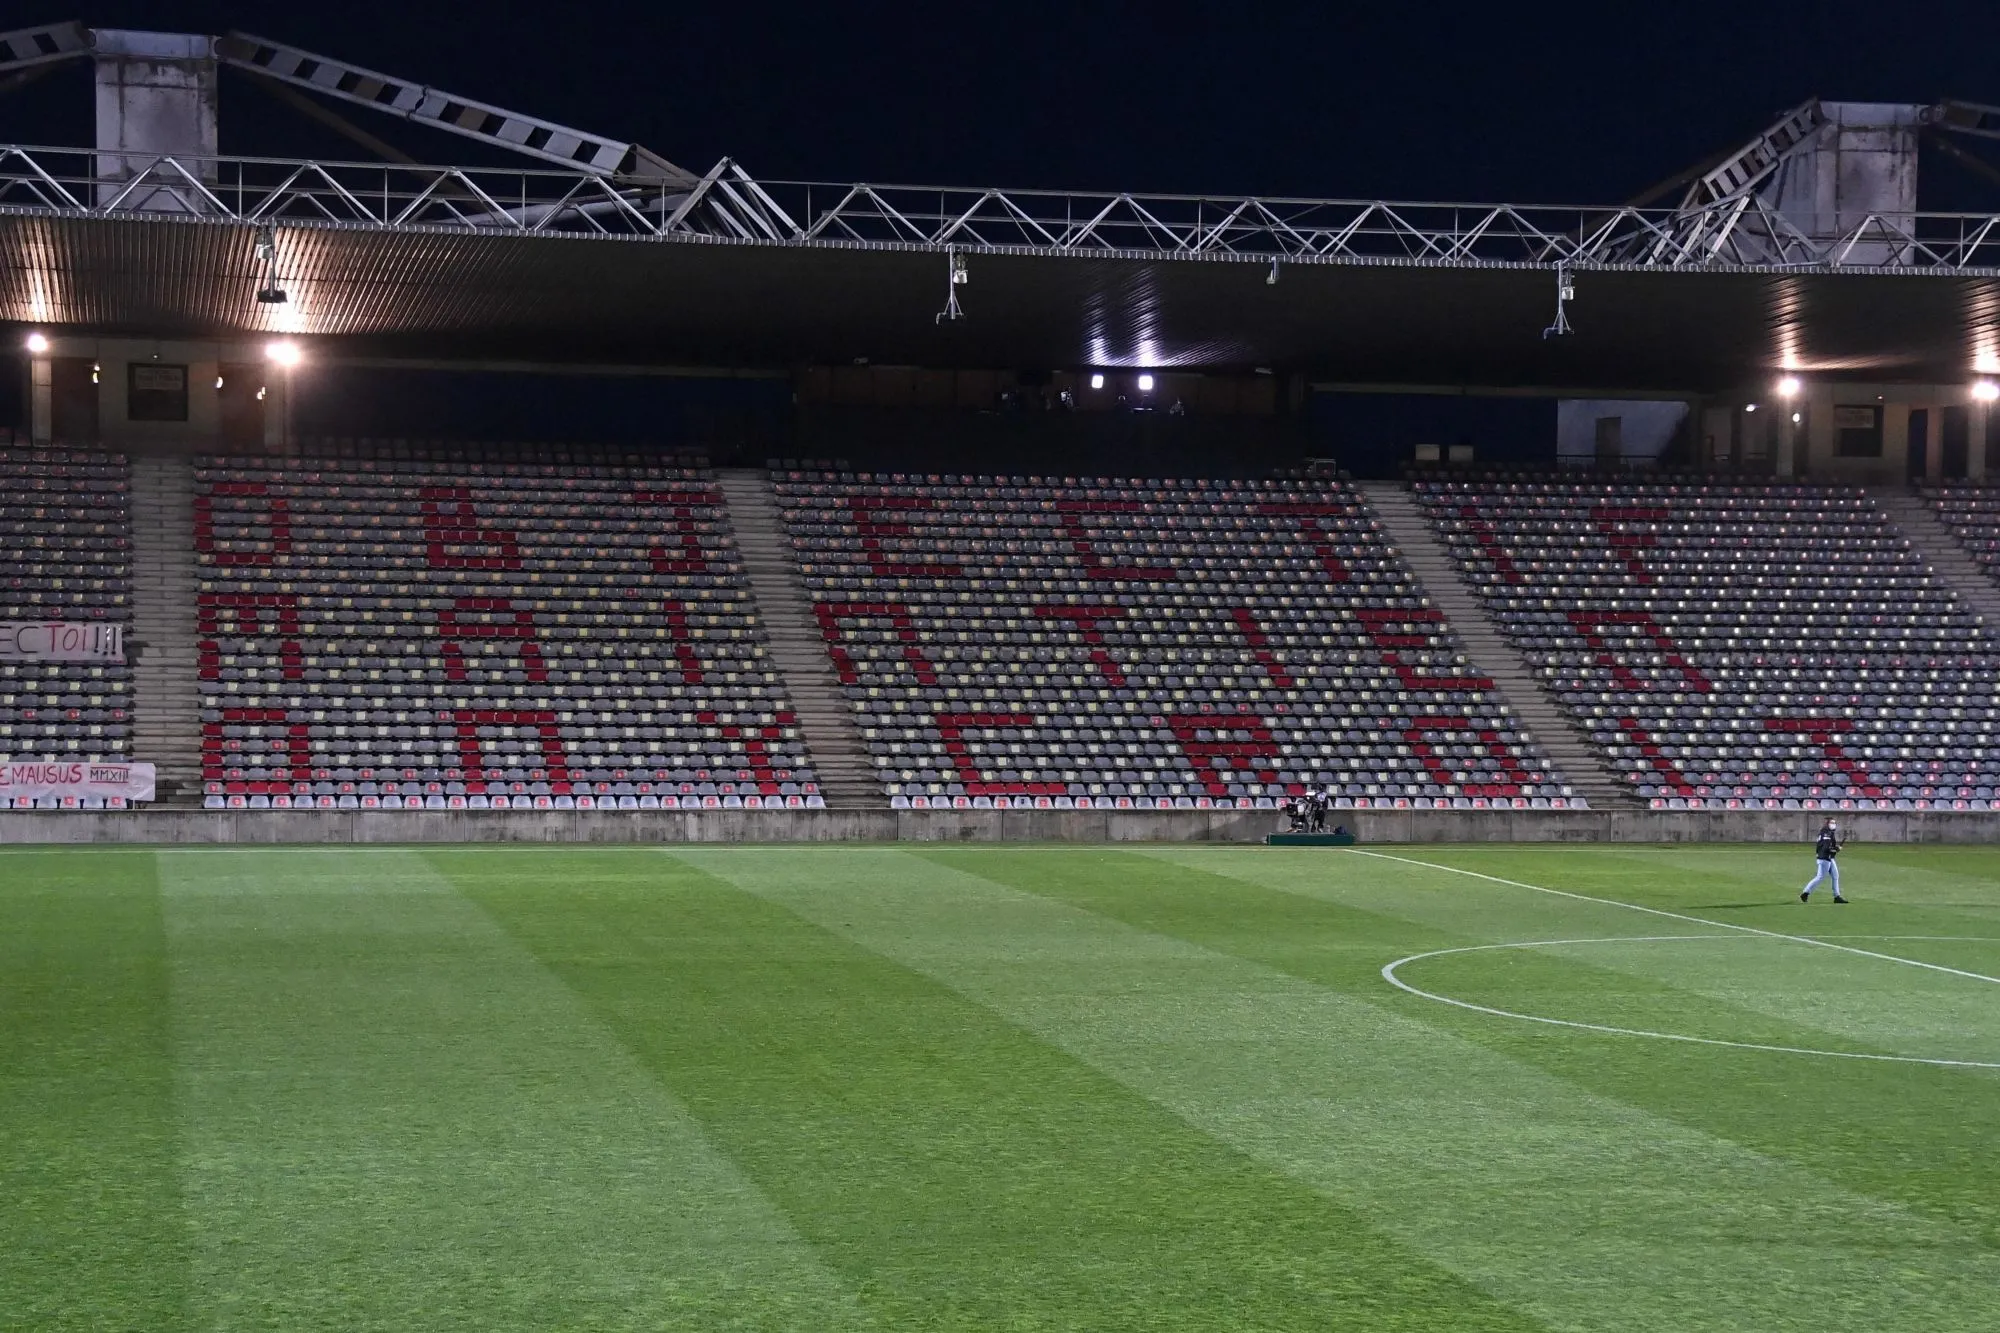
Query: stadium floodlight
{"type": "Point", "coordinates": [1097, 381]}
{"type": "Point", "coordinates": [38, 343]}
{"type": "Point", "coordinates": [1789, 387]}
{"type": "Point", "coordinates": [1145, 384]}
{"type": "Point", "coordinates": [1986, 391]}
{"type": "Point", "coordinates": [286, 354]}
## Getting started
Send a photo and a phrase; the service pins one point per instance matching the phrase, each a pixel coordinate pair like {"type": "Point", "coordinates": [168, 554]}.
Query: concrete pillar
{"type": "Point", "coordinates": [1977, 414]}
{"type": "Point", "coordinates": [1934, 442]}
{"type": "Point", "coordinates": [156, 96]}
{"type": "Point", "coordinates": [1896, 438]}
{"type": "Point", "coordinates": [41, 400]}
{"type": "Point", "coordinates": [1817, 447]}
{"type": "Point", "coordinates": [1789, 444]}
{"type": "Point", "coordinates": [1715, 433]}
{"type": "Point", "coordinates": [277, 410]}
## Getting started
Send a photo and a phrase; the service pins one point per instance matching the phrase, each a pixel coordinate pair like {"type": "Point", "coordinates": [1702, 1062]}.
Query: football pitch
{"type": "Point", "coordinates": [999, 1088]}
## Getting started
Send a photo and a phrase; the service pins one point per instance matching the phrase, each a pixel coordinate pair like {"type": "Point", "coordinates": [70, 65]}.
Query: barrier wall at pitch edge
{"type": "Point", "coordinates": [1079, 826]}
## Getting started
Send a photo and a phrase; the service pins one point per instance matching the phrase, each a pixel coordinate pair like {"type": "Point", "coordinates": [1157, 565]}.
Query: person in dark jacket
{"type": "Point", "coordinates": [1826, 847]}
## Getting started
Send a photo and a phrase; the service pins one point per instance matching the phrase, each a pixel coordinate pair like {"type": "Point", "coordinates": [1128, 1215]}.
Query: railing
{"type": "Point", "coordinates": [728, 205]}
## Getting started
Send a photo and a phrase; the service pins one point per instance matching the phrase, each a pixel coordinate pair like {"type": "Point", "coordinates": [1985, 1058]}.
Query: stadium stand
{"type": "Point", "coordinates": [406, 626]}
{"type": "Point", "coordinates": [1972, 515]}
{"type": "Point", "coordinates": [1737, 647]}
{"type": "Point", "coordinates": [65, 543]}
{"type": "Point", "coordinates": [1144, 644]}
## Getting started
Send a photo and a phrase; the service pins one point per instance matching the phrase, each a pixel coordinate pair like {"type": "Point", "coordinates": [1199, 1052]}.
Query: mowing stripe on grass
{"type": "Point", "coordinates": [1908, 1134]}
{"type": "Point", "coordinates": [396, 1119]}
{"type": "Point", "coordinates": [960, 1172]}
{"type": "Point", "coordinates": [92, 1234]}
{"type": "Point", "coordinates": [1589, 1213]}
{"type": "Point", "coordinates": [1682, 916]}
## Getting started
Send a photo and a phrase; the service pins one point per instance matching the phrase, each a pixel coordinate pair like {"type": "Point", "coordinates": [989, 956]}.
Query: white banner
{"type": "Point", "coordinates": [61, 641]}
{"type": "Point", "coordinates": [34, 782]}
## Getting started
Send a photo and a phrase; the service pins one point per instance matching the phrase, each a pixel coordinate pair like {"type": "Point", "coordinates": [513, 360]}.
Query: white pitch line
{"type": "Point", "coordinates": [1389, 975]}
{"type": "Point", "coordinates": [1681, 916]}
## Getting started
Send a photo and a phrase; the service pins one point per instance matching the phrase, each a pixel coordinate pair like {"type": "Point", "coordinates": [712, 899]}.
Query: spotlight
{"type": "Point", "coordinates": [1789, 387]}
{"type": "Point", "coordinates": [1097, 381]}
{"type": "Point", "coordinates": [1749, 407]}
{"type": "Point", "coordinates": [1986, 391]}
{"type": "Point", "coordinates": [284, 354]}
{"type": "Point", "coordinates": [1145, 384]}
{"type": "Point", "coordinates": [1797, 417]}
{"type": "Point", "coordinates": [38, 343]}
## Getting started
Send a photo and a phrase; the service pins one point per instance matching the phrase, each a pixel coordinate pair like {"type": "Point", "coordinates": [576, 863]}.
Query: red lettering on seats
{"type": "Point", "coordinates": [1489, 543]}
{"type": "Point", "coordinates": [1239, 740]}
{"type": "Point", "coordinates": [1649, 750]}
{"type": "Point", "coordinates": [1416, 732]}
{"type": "Point", "coordinates": [1389, 629]}
{"type": "Point", "coordinates": [1821, 731]}
{"type": "Point", "coordinates": [453, 531]}
{"type": "Point", "coordinates": [1071, 527]}
{"type": "Point", "coordinates": [279, 520]}
{"type": "Point", "coordinates": [684, 652]}
{"type": "Point", "coordinates": [1590, 624]}
{"type": "Point", "coordinates": [951, 727]}
{"type": "Point", "coordinates": [1314, 513]}
{"type": "Point", "coordinates": [1085, 620]}
{"type": "Point", "coordinates": [252, 615]}
{"type": "Point", "coordinates": [830, 614]}
{"type": "Point", "coordinates": [756, 743]}
{"type": "Point", "coordinates": [472, 759]}
{"type": "Point", "coordinates": [297, 747]}
{"type": "Point", "coordinates": [1260, 644]}
{"type": "Point", "coordinates": [458, 623]}
{"type": "Point", "coordinates": [873, 530]}
{"type": "Point", "coordinates": [683, 555]}
{"type": "Point", "coordinates": [1607, 517]}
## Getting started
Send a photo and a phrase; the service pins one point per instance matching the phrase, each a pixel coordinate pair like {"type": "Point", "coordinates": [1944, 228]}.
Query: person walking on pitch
{"type": "Point", "coordinates": [1825, 848]}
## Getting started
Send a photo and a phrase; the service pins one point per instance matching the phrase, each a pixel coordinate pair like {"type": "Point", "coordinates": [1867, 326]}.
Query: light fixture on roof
{"type": "Point", "coordinates": [1097, 380]}
{"type": "Point", "coordinates": [1145, 384]}
{"type": "Point", "coordinates": [286, 354]}
{"type": "Point", "coordinates": [38, 342]}
{"type": "Point", "coordinates": [1985, 391]}
{"type": "Point", "coordinates": [1789, 387]}
{"type": "Point", "coordinates": [269, 292]}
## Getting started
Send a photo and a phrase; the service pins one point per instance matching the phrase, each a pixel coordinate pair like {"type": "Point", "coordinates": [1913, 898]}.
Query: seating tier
{"type": "Point", "coordinates": [451, 629]}
{"type": "Point", "coordinates": [65, 554]}
{"type": "Point", "coordinates": [1768, 647]}
{"type": "Point", "coordinates": [1125, 644]}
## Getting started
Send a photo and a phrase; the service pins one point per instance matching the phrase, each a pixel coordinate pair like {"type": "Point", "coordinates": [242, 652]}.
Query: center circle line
{"type": "Point", "coordinates": [1389, 974]}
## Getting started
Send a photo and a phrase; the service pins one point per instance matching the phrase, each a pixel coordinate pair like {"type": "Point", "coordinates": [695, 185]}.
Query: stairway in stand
{"type": "Point", "coordinates": [1582, 766]}
{"type": "Point", "coordinates": [166, 707]}
{"type": "Point", "coordinates": [798, 651]}
{"type": "Point", "coordinates": [1949, 563]}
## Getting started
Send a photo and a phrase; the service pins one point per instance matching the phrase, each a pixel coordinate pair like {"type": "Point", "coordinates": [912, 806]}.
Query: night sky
{"type": "Point", "coordinates": [1539, 103]}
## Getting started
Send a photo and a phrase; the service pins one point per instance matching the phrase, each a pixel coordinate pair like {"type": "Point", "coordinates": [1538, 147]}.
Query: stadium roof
{"type": "Point", "coordinates": [551, 297]}
{"type": "Point", "coordinates": [604, 252]}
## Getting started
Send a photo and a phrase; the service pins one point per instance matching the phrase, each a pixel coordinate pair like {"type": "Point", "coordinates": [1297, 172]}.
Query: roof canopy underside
{"type": "Point", "coordinates": [559, 299]}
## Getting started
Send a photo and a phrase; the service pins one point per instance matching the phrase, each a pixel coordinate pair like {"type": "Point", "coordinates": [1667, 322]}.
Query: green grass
{"type": "Point", "coordinates": [995, 1088]}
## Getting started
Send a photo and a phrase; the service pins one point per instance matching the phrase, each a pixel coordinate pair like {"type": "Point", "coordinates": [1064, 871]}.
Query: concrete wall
{"type": "Point", "coordinates": [1080, 826]}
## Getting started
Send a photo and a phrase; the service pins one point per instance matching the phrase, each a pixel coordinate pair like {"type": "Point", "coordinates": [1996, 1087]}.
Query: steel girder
{"type": "Point", "coordinates": [1738, 231]}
